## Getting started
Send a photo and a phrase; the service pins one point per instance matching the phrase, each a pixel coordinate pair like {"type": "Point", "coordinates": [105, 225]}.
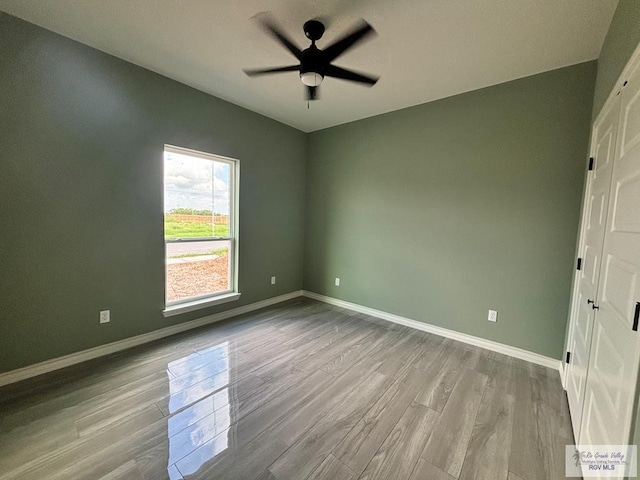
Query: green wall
{"type": "Point", "coordinates": [442, 211]}
{"type": "Point", "coordinates": [81, 187]}
{"type": "Point", "coordinates": [621, 41]}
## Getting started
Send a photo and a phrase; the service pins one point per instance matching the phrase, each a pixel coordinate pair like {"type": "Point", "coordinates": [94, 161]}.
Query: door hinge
{"type": "Point", "coordinates": [579, 266]}
{"type": "Point", "coordinates": [591, 163]}
{"type": "Point", "coordinates": [568, 357]}
{"type": "Point", "coordinates": [636, 317]}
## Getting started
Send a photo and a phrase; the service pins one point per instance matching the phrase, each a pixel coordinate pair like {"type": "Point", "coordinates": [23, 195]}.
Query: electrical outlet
{"type": "Point", "coordinates": [337, 282]}
{"type": "Point", "coordinates": [493, 316]}
{"type": "Point", "coordinates": [105, 316]}
{"type": "Point", "coordinates": [273, 280]}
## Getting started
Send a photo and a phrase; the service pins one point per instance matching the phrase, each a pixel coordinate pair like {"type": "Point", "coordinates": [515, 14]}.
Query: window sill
{"type": "Point", "coordinates": [199, 304]}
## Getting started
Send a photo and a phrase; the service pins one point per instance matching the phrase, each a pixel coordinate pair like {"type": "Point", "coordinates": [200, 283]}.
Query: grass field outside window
{"type": "Point", "coordinates": [174, 230]}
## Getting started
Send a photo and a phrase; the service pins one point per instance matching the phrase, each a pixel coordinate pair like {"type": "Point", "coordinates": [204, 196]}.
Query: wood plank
{"type": "Point", "coordinates": [299, 420]}
{"type": "Point", "coordinates": [332, 469]}
{"type": "Point", "coordinates": [558, 402]}
{"type": "Point", "coordinates": [69, 406]}
{"type": "Point", "coordinates": [527, 448]}
{"type": "Point", "coordinates": [113, 414]}
{"type": "Point", "coordinates": [221, 458]}
{"type": "Point", "coordinates": [427, 471]}
{"type": "Point", "coordinates": [181, 399]}
{"type": "Point", "coordinates": [291, 354]}
{"type": "Point", "coordinates": [318, 441]}
{"type": "Point", "coordinates": [487, 456]}
{"type": "Point", "coordinates": [400, 452]}
{"type": "Point", "coordinates": [98, 454]}
{"type": "Point", "coordinates": [345, 359]}
{"type": "Point", "coordinates": [318, 359]}
{"type": "Point", "coordinates": [448, 444]}
{"type": "Point", "coordinates": [328, 326]}
{"type": "Point", "coordinates": [405, 348]}
{"type": "Point", "coordinates": [284, 405]}
{"type": "Point", "coordinates": [126, 471]}
{"type": "Point", "coordinates": [553, 445]}
{"type": "Point", "coordinates": [513, 476]}
{"type": "Point", "coordinates": [363, 441]}
{"type": "Point", "coordinates": [441, 376]}
{"type": "Point", "coordinates": [503, 377]}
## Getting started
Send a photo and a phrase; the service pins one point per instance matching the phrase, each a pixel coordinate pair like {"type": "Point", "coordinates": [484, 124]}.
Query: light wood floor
{"type": "Point", "coordinates": [301, 391]}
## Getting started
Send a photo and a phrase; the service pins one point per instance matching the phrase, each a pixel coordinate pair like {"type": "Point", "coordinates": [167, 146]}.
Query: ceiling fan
{"type": "Point", "coordinates": [315, 64]}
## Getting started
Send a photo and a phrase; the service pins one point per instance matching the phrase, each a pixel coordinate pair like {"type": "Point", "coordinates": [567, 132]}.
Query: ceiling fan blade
{"type": "Point", "coordinates": [261, 71]}
{"type": "Point", "coordinates": [272, 28]}
{"type": "Point", "coordinates": [313, 93]}
{"type": "Point", "coordinates": [344, 74]}
{"type": "Point", "coordinates": [337, 48]}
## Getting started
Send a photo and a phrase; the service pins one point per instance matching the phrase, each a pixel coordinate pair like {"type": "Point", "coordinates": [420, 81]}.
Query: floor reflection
{"type": "Point", "coordinates": [202, 428]}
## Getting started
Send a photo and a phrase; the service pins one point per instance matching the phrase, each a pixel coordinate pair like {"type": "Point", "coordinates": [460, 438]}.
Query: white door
{"type": "Point", "coordinates": [593, 229]}
{"type": "Point", "coordinates": [613, 364]}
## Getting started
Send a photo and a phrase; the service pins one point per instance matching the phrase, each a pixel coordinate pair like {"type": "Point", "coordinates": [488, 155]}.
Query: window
{"type": "Point", "coordinates": [200, 229]}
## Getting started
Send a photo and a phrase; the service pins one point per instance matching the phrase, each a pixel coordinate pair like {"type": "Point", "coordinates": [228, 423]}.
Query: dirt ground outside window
{"type": "Point", "coordinates": [197, 277]}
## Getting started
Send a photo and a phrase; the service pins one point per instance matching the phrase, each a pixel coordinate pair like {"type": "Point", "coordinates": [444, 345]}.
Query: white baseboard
{"type": "Point", "coordinates": [443, 332]}
{"type": "Point", "coordinates": [79, 357]}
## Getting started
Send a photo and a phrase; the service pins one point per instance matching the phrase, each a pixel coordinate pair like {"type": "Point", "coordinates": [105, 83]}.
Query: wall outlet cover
{"type": "Point", "coordinates": [105, 316]}
{"type": "Point", "coordinates": [273, 280]}
{"type": "Point", "coordinates": [337, 283]}
{"type": "Point", "coordinates": [493, 316]}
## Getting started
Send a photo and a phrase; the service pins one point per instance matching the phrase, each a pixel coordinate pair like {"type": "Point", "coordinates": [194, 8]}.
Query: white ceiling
{"type": "Point", "coordinates": [424, 50]}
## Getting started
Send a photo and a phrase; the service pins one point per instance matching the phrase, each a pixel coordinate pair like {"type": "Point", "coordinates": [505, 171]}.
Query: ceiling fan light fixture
{"type": "Point", "coordinates": [311, 79]}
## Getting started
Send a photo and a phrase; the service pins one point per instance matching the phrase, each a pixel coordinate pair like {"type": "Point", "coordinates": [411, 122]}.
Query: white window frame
{"type": "Point", "coordinates": [190, 304]}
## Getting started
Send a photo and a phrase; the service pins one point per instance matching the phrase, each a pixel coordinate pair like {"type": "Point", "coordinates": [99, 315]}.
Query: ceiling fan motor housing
{"type": "Point", "coordinates": [312, 61]}
{"type": "Point", "coordinates": [313, 29]}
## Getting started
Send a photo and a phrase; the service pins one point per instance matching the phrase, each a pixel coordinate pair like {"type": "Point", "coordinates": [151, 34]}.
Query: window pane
{"type": "Point", "coordinates": [197, 268]}
{"type": "Point", "coordinates": [188, 196]}
{"type": "Point", "coordinates": [197, 199]}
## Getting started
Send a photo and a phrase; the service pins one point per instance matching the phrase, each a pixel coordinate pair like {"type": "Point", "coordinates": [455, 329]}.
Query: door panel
{"type": "Point", "coordinates": [580, 359]}
{"type": "Point", "coordinates": [627, 199]}
{"type": "Point", "coordinates": [631, 119]}
{"type": "Point", "coordinates": [611, 365]}
{"type": "Point", "coordinates": [620, 281]}
{"type": "Point", "coordinates": [594, 420]}
{"type": "Point", "coordinates": [591, 263]}
{"type": "Point", "coordinates": [592, 238]}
